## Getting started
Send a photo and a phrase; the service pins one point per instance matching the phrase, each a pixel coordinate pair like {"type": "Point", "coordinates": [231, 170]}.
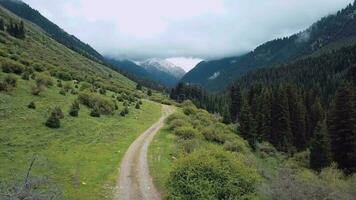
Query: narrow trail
{"type": "Point", "coordinates": [135, 182]}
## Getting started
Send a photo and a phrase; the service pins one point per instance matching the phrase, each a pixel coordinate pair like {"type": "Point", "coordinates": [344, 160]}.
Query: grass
{"type": "Point", "coordinates": [82, 156]}
{"type": "Point", "coordinates": [160, 158]}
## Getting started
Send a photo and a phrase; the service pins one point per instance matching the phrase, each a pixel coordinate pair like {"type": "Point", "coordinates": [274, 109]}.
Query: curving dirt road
{"type": "Point", "coordinates": [134, 182]}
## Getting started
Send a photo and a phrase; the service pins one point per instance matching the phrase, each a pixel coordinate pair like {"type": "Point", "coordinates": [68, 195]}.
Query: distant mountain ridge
{"type": "Point", "coordinates": [24, 11]}
{"type": "Point", "coordinates": [329, 33]}
{"type": "Point", "coordinates": [157, 70]}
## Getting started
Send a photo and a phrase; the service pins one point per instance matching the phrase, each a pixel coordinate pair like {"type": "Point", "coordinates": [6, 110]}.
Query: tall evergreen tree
{"type": "Point", "coordinates": [343, 131]}
{"type": "Point", "coordinates": [2, 25]}
{"type": "Point", "coordinates": [282, 136]}
{"type": "Point", "coordinates": [247, 125]}
{"type": "Point", "coordinates": [297, 118]}
{"type": "Point", "coordinates": [236, 100]}
{"type": "Point", "coordinates": [320, 150]}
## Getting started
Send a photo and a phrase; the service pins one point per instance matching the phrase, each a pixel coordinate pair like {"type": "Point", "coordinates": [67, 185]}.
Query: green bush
{"type": "Point", "coordinates": [214, 135]}
{"type": "Point", "coordinates": [62, 92]}
{"type": "Point", "coordinates": [12, 67]}
{"type": "Point", "coordinates": [37, 89]}
{"type": "Point", "coordinates": [58, 111]}
{"type": "Point", "coordinates": [10, 80]}
{"type": "Point", "coordinates": [190, 110]}
{"type": "Point", "coordinates": [74, 109]}
{"type": "Point", "coordinates": [90, 99]}
{"type": "Point", "coordinates": [67, 86]}
{"type": "Point", "coordinates": [54, 120]}
{"type": "Point", "coordinates": [26, 76]}
{"type": "Point", "coordinates": [236, 145]}
{"type": "Point", "coordinates": [95, 112]}
{"type": "Point", "coordinates": [85, 86]}
{"type": "Point", "coordinates": [186, 132]}
{"type": "Point", "coordinates": [137, 106]}
{"type": "Point", "coordinates": [32, 105]}
{"type": "Point", "coordinates": [211, 174]}
{"type": "Point", "coordinates": [39, 67]}
{"type": "Point", "coordinates": [177, 123]}
{"type": "Point", "coordinates": [44, 80]}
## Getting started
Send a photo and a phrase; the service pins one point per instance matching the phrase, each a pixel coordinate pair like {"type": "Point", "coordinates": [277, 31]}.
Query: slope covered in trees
{"type": "Point", "coordinates": [329, 33]}
{"type": "Point", "coordinates": [26, 12]}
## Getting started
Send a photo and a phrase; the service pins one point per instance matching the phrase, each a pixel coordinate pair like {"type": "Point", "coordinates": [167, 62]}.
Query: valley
{"type": "Point", "coordinates": [76, 123]}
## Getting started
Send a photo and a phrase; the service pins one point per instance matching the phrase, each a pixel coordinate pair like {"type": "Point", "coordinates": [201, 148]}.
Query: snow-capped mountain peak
{"type": "Point", "coordinates": [164, 66]}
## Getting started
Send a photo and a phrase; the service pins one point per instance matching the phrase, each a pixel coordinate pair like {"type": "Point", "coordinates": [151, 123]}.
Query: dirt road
{"type": "Point", "coordinates": [135, 182]}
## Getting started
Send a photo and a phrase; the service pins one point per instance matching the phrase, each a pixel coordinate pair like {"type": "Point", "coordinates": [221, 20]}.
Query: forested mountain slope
{"type": "Point", "coordinates": [331, 32]}
{"type": "Point", "coordinates": [26, 12]}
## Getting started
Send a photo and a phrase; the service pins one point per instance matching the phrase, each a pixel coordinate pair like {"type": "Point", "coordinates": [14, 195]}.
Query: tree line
{"type": "Point", "coordinates": [15, 29]}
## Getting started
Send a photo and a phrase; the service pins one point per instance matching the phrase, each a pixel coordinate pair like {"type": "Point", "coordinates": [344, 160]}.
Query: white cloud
{"type": "Point", "coordinates": [140, 29]}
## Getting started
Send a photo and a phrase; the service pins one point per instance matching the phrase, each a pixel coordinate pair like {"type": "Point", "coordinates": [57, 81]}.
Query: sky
{"type": "Point", "coordinates": [182, 31]}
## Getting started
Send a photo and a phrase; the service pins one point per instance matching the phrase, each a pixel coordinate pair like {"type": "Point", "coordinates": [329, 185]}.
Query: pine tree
{"type": "Point", "coordinates": [236, 98]}
{"type": "Point", "coordinates": [320, 151]}
{"type": "Point", "coordinates": [343, 131]}
{"type": "Point", "coordinates": [282, 136]}
{"type": "Point", "coordinates": [247, 125]}
{"type": "Point", "coordinates": [297, 118]}
{"type": "Point", "coordinates": [53, 121]}
{"type": "Point", "coordinates": [2, 25]}
{"type": "Point", "coordinates": [316, 115]}
{"type": "Point", "coordinates": [149, 92]}
{"type": "Point", "coordinates": [74, 110]}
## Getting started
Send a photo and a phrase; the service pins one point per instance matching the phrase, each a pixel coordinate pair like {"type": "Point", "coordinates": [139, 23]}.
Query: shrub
{"type": "Point", "coordinates": [186, 132]}
{"type": "Point", "coordinates": [59, 84]}
{"type": "Point", "coordinates": [68, 86]}
{"type": "Point", "coordinates": [58, 112]}
{"type": "Point", "coordinates": [137, 106]}
{"type": "Point", "coordinates": [32, 105]}
{"type": "Point", "coordinates": [10, 80]}
{"type": "Point", "coordinates": [102, 91]}
{"type": "Point", "coordinates": [190, 110]}
{"type": "Point", "coordinates": [177, 123]}
{"type": "Point", "coordinates": [90, 99]}
{"type": "Point", "coordinates": [4, 87]}
{"type": "Point", "coordinates": [214, 135]}
{"type": "Point", "coordinates": [126, 110]}
{"type": "Point", "coordinates": [149, 92]}
{"type": "Point", "coordinates": [140, 102]}
{"type": "Point", "coordinates": [65, 76]}
{"type": "Point", "coordinates": [26, 76]}
{"type": "Point", "coordinates": [95, 112]}
{"type": "Point", "coordinates": [62, 92]}
{"type": "Point", "coordinates": [54, 120]}
{"type": "Point", "coordinates": [12, 67]}
{"type": "Point", "coordinates": [36, 90]}
{"type": "Point", "coordinates": [188, 146]}
{"type": "Point", "coordinates": [211, 174]}
{"type": "Point", "coordinates": [44, 79]}
{"type": "Point", "coordinates": [74, 109]}
{"type": "Point", "coordinates": [85, 86]}
{"type": "Point", "coordinates": [39, 67]}
{"type": "Point", "coordinates": [235, 146]}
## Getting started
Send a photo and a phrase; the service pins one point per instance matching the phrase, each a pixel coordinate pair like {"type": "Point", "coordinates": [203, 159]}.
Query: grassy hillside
{"type": "Point", "coordinates": [82, 156]}
{"type": "Point", "coordinates": [37, 49]}
{"type": "Point", "coordinates": [78, 160]}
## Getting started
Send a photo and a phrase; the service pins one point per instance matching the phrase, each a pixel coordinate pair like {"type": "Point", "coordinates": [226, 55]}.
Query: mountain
{"type": "Point", "coordinates": [24, 11]}
{"type": "Point", "coordinates": [330, 33]}
{"type": "Point", "coordinates": [40, 52]}
{"type": "Point", "coordinates": [160, 71]}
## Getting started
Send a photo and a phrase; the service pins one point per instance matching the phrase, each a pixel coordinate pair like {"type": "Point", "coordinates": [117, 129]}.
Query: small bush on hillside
{"type": "Point", "coordinates": [10, 80]}
{"type": "Point", "coordinates": [32, 105]}
{"type": "Point", "coordinates": [211, 174]}
{"type": "Point", "coordinates": [65, 76]}
{"type": "Point", "coordinates": [74, 109]}
{"type": "Point", "coordinates": [140, 102]}
{"type": "Point", "coordinates": [4, 87]}
{"type": "Point", "coordinates": [188, 146]}
{"type": "Point", "coordinates": [39, 67]}
{"type": "Point", "coordinates": [37, 89]}
{"type": "Point", "coordinates": [176, 116]}
{"type": "Point", "coordinates": [26, 76]}
{"type": "Point", "coordinates": [138, 106]}
{"type": "Point", "coordinates": [95, 112]}
{"type": "Point", "coordinates": [186, 132]}
{"type": "Point", "coordinates": [59, 84]}
{"type": "Point", "coordinates": [58, 112]}
{"type": "Point", "coordinates": [44, 80]}
{"type": "Point", "coordinates": [177, 123]}
{"type": "Point", "coordinates": [85, 86]}
{"type": "Point", "coordinates": [62, 92]}
{"type": "Point", "coordinates": [214, 135]}
{"type": "Point", "coordinates": [102, 91]}
{"type": "Point", "coordinates": [12, 67]}
{"type": "Point", "coordinates": [235, 146]}
{"type": "Point", "coordinates": [68, 86]}
{"type": "Point", "coordinates": [190, 110]}
{"type": "Point", "coordinates": [149, 92]}
{"type": "Point", "coordinates": [104, 104]}
{"type": "Point", "coordinates": [54, 120]}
